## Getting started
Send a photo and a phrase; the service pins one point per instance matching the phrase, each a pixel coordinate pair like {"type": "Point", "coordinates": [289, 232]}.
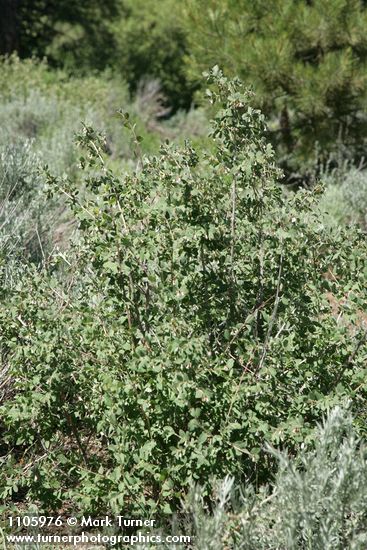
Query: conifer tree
{"type": "Point", "coordinates": [306, 60]}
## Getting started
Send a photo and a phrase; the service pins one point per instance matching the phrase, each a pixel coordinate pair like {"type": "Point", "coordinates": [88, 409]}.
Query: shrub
{"type": "Point", "coordinates": [318, 500]}
{"type": "Point", "coordinates": [23, 219]}
{"type": "Point", "coordinates": [191, 327]}
{"type": "Point", "coordinates": [41, 105]}
{"type": "Point", "coordinates": [345, 197]}
{"type": "Point", "coordinates": [40, 109]}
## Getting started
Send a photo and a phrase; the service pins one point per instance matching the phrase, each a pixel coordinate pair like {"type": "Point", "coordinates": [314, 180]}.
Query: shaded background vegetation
{"type": "Point", "coordinates": [305, 60]}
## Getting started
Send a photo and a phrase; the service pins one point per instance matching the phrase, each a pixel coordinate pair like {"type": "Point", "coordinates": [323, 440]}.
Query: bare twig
{"type": "Point", "coordinates": [273, 315]}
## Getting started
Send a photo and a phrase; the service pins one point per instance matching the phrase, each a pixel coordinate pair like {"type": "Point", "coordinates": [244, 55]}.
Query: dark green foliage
{"type": "Point", "coordinates": [190, 326]}
{"type": "Point", "coordinates": [305, 60]}
{"type": "Point", "coordinates": [81, 29]}
{"type": "Point", "coordinates": [9, 32]}
{"type": "Point", "coordinates": [139, 39]}
{"type": "Point", "coordinates": [151, 44]}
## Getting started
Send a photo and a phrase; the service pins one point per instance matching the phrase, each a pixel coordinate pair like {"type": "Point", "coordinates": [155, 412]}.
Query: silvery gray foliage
{"type": "Point", "coordinates": [321, 501]}
{"type": "Point", "coordinates": [25, 220]}
{"type": "Point", "coordinates": [318, 500]}
{"type": "Point", "coordinates": [345, 197]}
{"type": "Point", "coordinates": [18, 163]}
{"type": "Point", "coordinates": [19, 184]}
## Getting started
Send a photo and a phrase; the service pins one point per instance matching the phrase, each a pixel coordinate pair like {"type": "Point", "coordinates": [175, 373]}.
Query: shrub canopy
{"type": "Point", "coordinates": [191, 325]}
